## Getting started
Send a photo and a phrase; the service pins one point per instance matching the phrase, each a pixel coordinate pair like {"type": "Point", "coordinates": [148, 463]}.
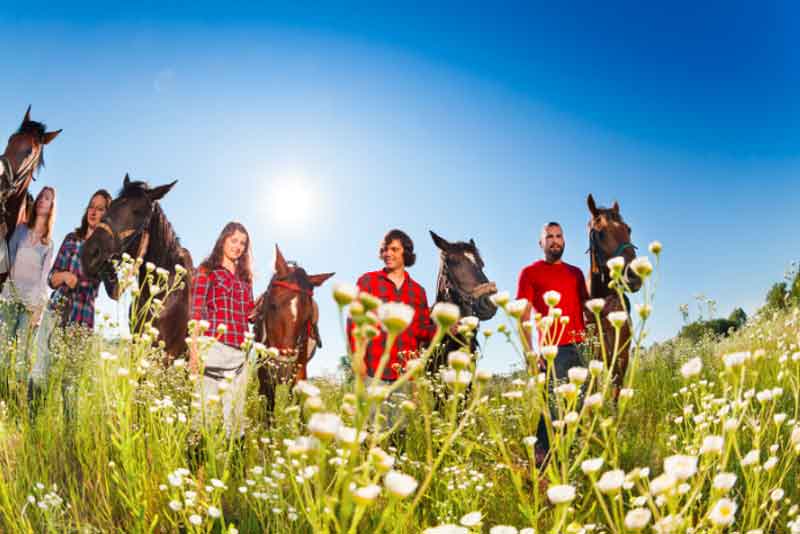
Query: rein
{"type": "Point", "coordinates": [467, 298]}
{"type": "Point", "coordinates": [125, 238]}
{"type": "Point", "coordinates": [598, 258]}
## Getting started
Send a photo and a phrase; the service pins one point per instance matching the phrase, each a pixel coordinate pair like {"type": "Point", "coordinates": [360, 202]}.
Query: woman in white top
{"type": "Point", "coordinates": [25, 292]}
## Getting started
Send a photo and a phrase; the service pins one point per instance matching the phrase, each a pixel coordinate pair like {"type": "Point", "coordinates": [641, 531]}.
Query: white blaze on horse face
{"type": "Point", "coordinates": [471, 257]}
{"type": "Point", "coordinates": [293, 307]}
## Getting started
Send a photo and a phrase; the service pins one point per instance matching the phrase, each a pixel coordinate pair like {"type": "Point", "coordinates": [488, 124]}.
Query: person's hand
{"type": "Point", "coordinates": [70, 279]}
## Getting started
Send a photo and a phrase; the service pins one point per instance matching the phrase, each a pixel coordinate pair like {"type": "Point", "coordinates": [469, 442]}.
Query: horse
{"type": "Point", "coordinates": [610, 237]}
{"type": "Point", "coordinates": [461, 281]}
{"type": "Point", "coordinates": [286, 319]}
{"type": "Point", "coordinates": [135, 224]}
{"type": "Point", "coordinates": [24, 155]}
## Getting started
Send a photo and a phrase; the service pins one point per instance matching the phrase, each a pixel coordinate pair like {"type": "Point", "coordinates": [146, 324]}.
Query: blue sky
{"type": "Point", "coordinates": [475, 120]}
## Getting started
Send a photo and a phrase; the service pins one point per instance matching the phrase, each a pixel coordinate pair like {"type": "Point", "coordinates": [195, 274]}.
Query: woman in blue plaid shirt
{"type": "Point", "coordinates": [72, 301]}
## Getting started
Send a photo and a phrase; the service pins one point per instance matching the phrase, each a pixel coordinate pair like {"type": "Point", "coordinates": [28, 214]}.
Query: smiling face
{"type": "Point", "coordinates": [234, 246]}
{"type": "Point", "coordinates": [96, 210]}
{"type": "Point", "coordinates": [392, 255]}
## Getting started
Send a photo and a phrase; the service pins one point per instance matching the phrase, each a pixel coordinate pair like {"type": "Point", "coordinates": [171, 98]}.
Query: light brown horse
{"type": "Point", "coordinates": [610, 237]}
{"type": "Point", "coordinates": [286, 319]}
{"type": "Point", "coordinates": [23, 156]}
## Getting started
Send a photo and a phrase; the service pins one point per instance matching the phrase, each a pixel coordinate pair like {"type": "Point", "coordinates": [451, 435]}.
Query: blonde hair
{"type": "Point", "coordinates": [51, 217]}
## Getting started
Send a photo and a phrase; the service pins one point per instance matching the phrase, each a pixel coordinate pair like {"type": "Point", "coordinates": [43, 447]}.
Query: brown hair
{"type": "Point", "coordinates": [84, 227]}
{"type": "Point", "coordinates": [409, 258]}
{"type": "Point", "coordinates": [244, 266]}
{"type": "Point", "coordinates": [51, 217]}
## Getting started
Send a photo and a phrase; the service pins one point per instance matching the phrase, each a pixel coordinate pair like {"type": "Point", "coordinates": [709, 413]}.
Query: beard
{"type": "Point", "coordinates": [553, 254]}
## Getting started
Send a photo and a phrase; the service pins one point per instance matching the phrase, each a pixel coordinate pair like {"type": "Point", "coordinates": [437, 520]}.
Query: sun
{"type": "Point", "coordinates": [291, 201]}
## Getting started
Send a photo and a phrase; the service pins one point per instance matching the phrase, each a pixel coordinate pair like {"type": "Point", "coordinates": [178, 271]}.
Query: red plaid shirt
{"type": "Point", "coordinates": [220, 297]}
{"type": "Point", "coordinates": [409, 342]}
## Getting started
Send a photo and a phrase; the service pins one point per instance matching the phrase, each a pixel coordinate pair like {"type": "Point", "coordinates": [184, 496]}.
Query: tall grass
{"type": "Point", "coordinates": [118, 443]}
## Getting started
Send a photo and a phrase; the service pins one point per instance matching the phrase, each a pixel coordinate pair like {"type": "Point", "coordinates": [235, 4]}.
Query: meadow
{"type": "Point", "coordinates": [704, 437]}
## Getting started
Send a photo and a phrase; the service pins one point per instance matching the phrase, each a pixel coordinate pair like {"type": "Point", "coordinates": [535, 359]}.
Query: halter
{"type": "Point", "coordinates": [599, 259]}
{"type": "Point", "coordinates": [453, 293]}
{"type": "Point", "coordinates": [11, 181]}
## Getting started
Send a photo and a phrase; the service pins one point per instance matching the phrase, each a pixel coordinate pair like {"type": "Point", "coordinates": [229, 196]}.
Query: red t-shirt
{"type": "Point", "coordinates": [538, 278]}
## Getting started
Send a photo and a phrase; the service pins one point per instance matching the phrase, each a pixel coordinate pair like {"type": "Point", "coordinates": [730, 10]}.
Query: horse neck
{"type": "Point", "coordinates": [164, 249]}
{"type": "Point", "coordinates": [14, 204]}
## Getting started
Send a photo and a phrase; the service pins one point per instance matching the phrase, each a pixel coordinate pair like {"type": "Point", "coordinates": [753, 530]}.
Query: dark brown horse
{"type": "Point", "coordinates": [286, 320]}
{"type": "Point", "coordinates": [22, 158]}
{"type": "Point", "coordinates": [461, 281]}
{"type": "Point", "coordinates": [610, 237]}
{"type": "Point", "coordinates": [136, 224]}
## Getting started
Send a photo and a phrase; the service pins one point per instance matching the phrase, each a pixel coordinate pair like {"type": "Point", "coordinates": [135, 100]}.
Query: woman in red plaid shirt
{"type": "Point", "coordinates": [222, 295]}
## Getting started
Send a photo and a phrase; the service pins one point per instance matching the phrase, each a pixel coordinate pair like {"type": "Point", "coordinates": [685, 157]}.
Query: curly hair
{"type": "Point", "coordinates": [244, 266]}
{"type": "Point", "coordinates": [409, 258]}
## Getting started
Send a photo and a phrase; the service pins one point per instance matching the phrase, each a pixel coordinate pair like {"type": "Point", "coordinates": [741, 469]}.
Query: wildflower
{"type": "Point", "coordinates": [680, 466]}
{"type": "Point", "coordinates": [469, 323]}
{"type": "Point", "coordinates": [483, 375]}
{"type": "Point", "coordinates": [561, 493]}
{"type": "Point", "coordinates": [642, 266]}
{"type": "Point", "coordinates": [195, 520]}
{"type": "Point", "coordinates": [770, 464]}
{"type": "Point", "coordinates": [300, 445]}
{"type": "Point", "coordinates": [307, 389]}
{"type": "Point", "coordinates": [395, 316]}
{"type": "Point", "coordinates": [723, 513]}
{"type": "Point", "coordinates": [399, 484]}
{"type": "Point", "coordinates": [724, 481]}
{"type": "Point", "coordinates": [735, 359]}
{"type": "Point", "coordinates": [615, 265]}
{"type": "Point", "coordinates": [571, 418]}
{"type": "Point", "coordinates": [751, 457]}
{"type": "Point", "coordinates": [692, 368]}
{"type": "Point", "coordinates": [324, 425]}
{"type": "Point", "coordinates": [655, 247]}
{"type": "Point", "coordinates": [517, 307]}
{"type": "Point", "coordinates": [344, 293]}
{"type": "Point", "coordinates": [625, 393]}
{"type": "Point", "coordinates": [662, 484]}
{"type": "Point", "coordinates": [776, 495]}
{"type": "Point", "coordinates": [459, 359]}
{"type": "Point", "coordinates": [503, 529]}
{"type": "Point", "coordinates": [578, 375]}
{"type": "Point", "coordinates": [501, 299]}
{"type": "Point", "coordinates": [107, 356]}
{"type": "Point", "coordinates": [122, 371]}
{"type": "Point", "coordinates": [175, 505]}
{"type": "Point", "coordinates": [568, 391]}
{"type": "Point", "coordinates": [594, 400]}
{"type": "Point", "coordinates": [446, 529]}
{"type": "Point", "coordinates": [366, 494]}
{"type": "Point", "coordinates": [549, 352]}
{"type": "Point", "coordinates": [214, 512]}
{"type": "Point", "coordinates": [445, 314]}
{"type": "Point", "coordinates": [596, 367]}
{"type": "Point", "coordinates": [712, 445]}
{"type": "Point", "coordinates": [617, 318]}
{"type": "Point", "coordinates": [529, 441]}
{"type": "Point", "coordinates": [644, 310]}
{"type": "Point", "coordinates": [595, 305]}
{"type": "Point", "coordinates": [472, 519]}
{"type": "Point", "coordinates": [611, 481]}
{"type": "Point", "coordinates": [637, 519]}
{"type": "Point", "coordinates": [551, 298]}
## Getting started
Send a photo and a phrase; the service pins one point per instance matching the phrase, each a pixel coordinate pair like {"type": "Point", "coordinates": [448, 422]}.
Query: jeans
{"type": "Point", "coordinates": [17, 325]}
{"type": "Point", "coordinates": [231, 392]}
{"type": "Point", "coordinates": [568, 356]}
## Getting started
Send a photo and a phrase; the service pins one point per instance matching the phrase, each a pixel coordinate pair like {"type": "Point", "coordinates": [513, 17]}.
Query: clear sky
{"type": "Point", "coordinates": [479, 120]}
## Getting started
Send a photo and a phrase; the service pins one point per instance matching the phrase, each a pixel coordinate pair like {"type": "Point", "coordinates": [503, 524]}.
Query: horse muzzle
{"type": "Point", "coordinates": [632, 279]}
{"type": "Point", "coordinates": [483, 307]}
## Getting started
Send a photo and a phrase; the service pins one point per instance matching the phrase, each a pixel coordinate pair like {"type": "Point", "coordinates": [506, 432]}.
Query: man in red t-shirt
{"type": "Point", "coordinates": [552, 274]}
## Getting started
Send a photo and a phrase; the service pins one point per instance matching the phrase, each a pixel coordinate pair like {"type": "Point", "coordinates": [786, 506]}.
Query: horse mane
{"type": "Point", "coordinates": [163, 235]}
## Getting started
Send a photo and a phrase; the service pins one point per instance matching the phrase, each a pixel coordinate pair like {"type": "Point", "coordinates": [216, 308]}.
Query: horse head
{"type": "Point", "coordinates": [610, 237]}
{"type": "Point", "coordinates": [22, 157]}
{"type": "Point", "coordinates": [125, 226]}
{"type": "Point", "coordinates": [287, 313]}
{"type": "Point", "coordinates": [462, 280]}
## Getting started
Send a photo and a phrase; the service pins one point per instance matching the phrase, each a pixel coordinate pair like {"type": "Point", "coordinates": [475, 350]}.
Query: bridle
{"type": "Point", "coordinates": [124, 239]}
{"type": "Point", "coordinates": [451, 292]}
{"type": "Point", "coordinates": [288, 355]}
{"type": "Point", "coordinates": [599, 258]}
{"type": "Point", "coordinates": [10, 181]}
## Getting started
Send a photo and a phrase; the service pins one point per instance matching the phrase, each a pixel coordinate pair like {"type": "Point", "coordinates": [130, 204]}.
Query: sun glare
{"type": "Point", "coordinates": [291, 201]}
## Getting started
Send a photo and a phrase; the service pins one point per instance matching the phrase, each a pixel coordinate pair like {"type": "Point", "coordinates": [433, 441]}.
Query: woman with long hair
{"type": "Point", "coordinates": [222, 295]}
{"type": "Point", "coordinates": [74, 293]}
{"type": "Point", "coordinates": [25, 292]}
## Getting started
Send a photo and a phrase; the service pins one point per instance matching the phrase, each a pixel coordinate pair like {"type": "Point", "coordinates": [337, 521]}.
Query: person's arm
{"type": "Point", "coordinates": [424, 329]}
{"type": "Point", "coordinates": [60, 273]}
{"type": "Point", "coordinates": [47, 265]}
{"type": "Point", "coordinates": [200, 286]}
{"type": "Point", "coordinates": [13, 244]}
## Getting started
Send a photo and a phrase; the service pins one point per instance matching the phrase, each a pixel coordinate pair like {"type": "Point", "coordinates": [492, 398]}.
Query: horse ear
{"type": "Point", "coordinates": [472, 243]}
{"type": "Point", "coordinates": [27, 116]}
{"type": "Point", "coordinates": [319, 279]}
{"type": "Point", "coordinates": [592, 205]}
{"type": "Point", "coordinates": [126, 181]}
{"type": "Point", "coordinates": [281, 267]}
{"type": "Point", "coordinates": [49, 136]}
{"type": "Point", "coordinates": [615, 207]}
{"type": "Point", "coordinates": [440, 242]}
{"type": "Point", "coordinates": [157, 193]}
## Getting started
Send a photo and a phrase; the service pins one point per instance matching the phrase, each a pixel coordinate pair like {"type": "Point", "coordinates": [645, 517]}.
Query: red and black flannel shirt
{"type": "Point", "coordinates": [220, 297]}
{"type": "Point", "coordinates": [409, 342]}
